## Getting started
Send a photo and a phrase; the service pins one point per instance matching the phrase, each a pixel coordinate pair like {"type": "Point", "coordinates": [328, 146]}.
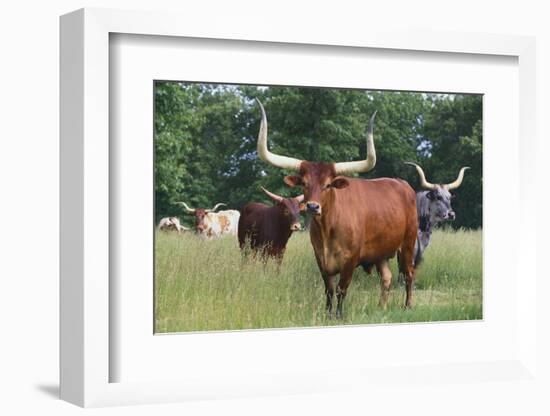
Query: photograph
{"type": "Point", "coordinates": [298, 207]}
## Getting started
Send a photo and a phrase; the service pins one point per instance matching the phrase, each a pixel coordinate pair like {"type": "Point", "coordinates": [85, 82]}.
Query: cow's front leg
{"type": "Point", "coordinates": [409, 285]}
{"type": "Point", "coordinates": [345, 279]}
{"type": "Point", "coordinates": [329, 292]}
{"type": "Point", "coordinates": [279, 259]}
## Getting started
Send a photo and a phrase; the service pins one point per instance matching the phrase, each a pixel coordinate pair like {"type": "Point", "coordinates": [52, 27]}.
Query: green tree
{"type": "Point", "coordinates": [206, 134]}
{"type": "Point", "coordinates": [454, 137]}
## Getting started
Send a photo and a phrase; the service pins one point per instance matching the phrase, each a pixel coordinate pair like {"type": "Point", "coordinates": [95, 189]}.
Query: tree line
{"type": "Point", "coordinates": [205, 140]}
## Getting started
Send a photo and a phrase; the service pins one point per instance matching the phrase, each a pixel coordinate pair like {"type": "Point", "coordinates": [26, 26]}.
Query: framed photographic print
{"type": "Point", "coordinates": [245, 210]}
{"type": "Point", "coordinates": [249, 263]}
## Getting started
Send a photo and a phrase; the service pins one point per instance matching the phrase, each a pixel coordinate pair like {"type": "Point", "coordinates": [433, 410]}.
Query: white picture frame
{"type": "Point", "coordinates": [85, 354]}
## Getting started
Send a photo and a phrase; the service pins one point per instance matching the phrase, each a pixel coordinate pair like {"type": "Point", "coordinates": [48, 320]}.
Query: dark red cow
{"type": "Point", "coordinates": [266, 229]}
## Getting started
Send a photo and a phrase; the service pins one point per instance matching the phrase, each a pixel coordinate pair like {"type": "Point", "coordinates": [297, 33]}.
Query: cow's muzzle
{"type": "Point", "coordinates": [451, 215]}
{"type": "Point", "coordinates": [313, 207]}
{"type": "Point", "coordinates": [295, 227]}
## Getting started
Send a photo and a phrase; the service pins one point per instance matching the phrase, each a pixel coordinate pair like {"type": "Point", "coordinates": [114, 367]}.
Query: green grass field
{"type": "Point", "coordinates": [204, 285]}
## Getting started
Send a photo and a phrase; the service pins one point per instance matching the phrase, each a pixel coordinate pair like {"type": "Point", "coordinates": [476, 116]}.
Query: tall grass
{"type": "Point", "coordinates": [206, 285]}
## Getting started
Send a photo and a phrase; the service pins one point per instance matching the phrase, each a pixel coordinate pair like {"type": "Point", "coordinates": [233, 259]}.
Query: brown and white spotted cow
{"type": "Point", "coordinates": [210, 224]}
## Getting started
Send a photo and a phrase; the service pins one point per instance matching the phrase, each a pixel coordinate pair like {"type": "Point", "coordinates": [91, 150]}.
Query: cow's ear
{"type": "Point", "coordinates": [339, 183]}
{"type": "Point", "coordinates": [453, 195]}
{"type": "Point", "coordinates": [293, 181]}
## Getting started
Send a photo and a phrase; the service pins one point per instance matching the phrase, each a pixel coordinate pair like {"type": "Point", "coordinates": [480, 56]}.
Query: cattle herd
{"type": "Point", "coordinates": [353, 221]}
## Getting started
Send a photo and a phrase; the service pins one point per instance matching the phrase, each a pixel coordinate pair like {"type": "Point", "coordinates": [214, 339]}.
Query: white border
{"type": "Point", "coordinates": [85, 201]}
{"type": "Point", "coordinates": [136, 61]}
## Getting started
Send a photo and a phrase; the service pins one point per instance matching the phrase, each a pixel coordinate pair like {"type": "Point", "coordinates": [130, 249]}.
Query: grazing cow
{"type": "Point", "coordinates": [354, 221]}
{"type": "Point", "coordinates": [268, 228]}
{"type": "Point", "coordinates": [171, 224]}
{"type": "Point", "coordinates": [210, 224]}
{"type": "Point", "coordinates": [433, 206]}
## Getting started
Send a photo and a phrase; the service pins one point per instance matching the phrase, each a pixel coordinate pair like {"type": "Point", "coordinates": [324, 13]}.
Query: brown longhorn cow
{"type": "Point", "coordinates": [355, 221]}
{"type": "Point", "coordinates": [268, 228]}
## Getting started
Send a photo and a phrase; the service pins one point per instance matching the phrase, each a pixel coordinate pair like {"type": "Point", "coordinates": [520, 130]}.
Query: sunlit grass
{"type": "Point", "coordinates": [205, 285]}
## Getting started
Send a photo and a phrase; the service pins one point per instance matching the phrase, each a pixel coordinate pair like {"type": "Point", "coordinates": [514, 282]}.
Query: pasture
{"type": "Point", "coordinates": [206, 286]}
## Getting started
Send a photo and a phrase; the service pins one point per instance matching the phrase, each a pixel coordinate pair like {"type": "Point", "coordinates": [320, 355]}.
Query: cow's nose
{"type": "Point", "coordinates": [296, 226]}
{"type": "Point", "coordinates": [314, 207]}
{"type": "Point", "coordinates": [451, 215]}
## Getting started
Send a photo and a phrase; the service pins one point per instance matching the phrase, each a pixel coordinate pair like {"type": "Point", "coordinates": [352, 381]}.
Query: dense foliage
{"type": "Point", "coordinates": [205, 140]}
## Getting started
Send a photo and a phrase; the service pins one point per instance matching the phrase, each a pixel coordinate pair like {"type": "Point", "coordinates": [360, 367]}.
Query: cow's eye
{"type": "Point", "coordinates": [287, 212]}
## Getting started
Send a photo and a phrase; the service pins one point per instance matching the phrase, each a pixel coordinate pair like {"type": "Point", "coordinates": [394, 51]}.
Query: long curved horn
{"type": "Point", "coordinates": [423, 182]}
{"type": "Point", "coordinates": [274, 197]}
{"type": "Point", "coordinates": [299, 198]}
{"type": "Point", "coordinates": [190, 210]}
{"type": "Point", "coordinates": [215, 207]}
{"type": "Point", "coordinates": [283, 162]}
{"type": "Point", "coordinates": [345, 168]}
{"type": "Point", "coordinates": [458, 182]}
